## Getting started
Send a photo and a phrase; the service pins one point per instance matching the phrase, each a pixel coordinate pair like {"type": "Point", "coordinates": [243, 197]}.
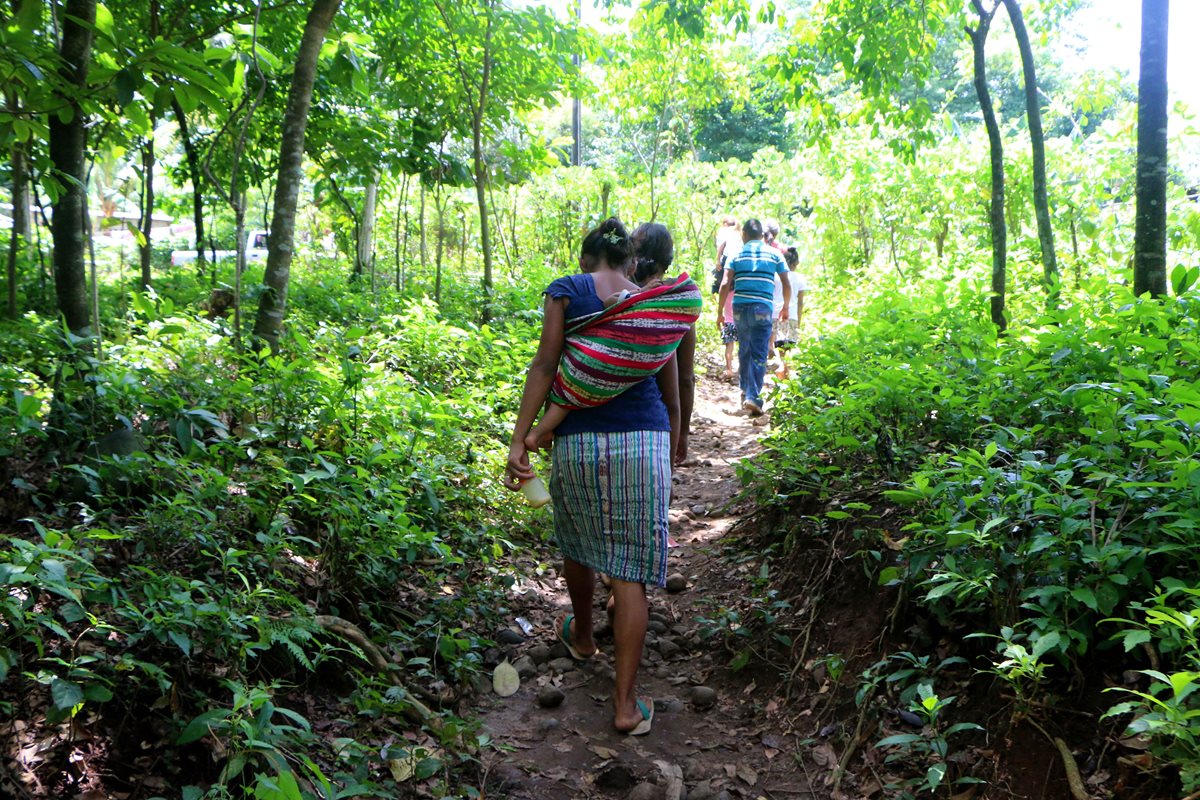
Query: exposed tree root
{"type": "Point", "coordinates": [1074, 779]}
{"type": "Point", "coordinates": [1078, 791]}
{"type": "Point", "coordinates": [415, 711]}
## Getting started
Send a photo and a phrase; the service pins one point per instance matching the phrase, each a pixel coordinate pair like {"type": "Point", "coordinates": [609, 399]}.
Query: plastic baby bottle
{"type": "Point", "coordinates": [535, 492]}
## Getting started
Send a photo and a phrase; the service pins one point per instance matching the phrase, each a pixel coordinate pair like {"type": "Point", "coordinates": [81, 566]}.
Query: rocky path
{"type": "Point", "coordinates": [717, 734]}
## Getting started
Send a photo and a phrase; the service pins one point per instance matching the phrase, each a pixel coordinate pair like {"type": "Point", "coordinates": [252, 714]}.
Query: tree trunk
{"type": "Point", "coordinates": [19, 238]}
{"type": "Point", "coordinates": [402, 250]}
{"type": "Point", "coordinates": [239, 262]}
{"type": "Point", "coordinates": [1150, 230]}
{"type": "Point", "coordinates": [996, 148]}
{"type": "Point", "coordinates": [421, 225]}
{"type": "Point", "coordinates": [1033, 112]}
{"type": "Point", "coordinates": [462, 243]}
{"type": "Point", "coordinates": [481, 176]}
{"type": "Point", "coordinates": [365, 247]}
{"type": "Point", "coordinates": [273, 303]}
{"type": "Point", "coordinates": [147, 246]}
{"type": "Point", "coordinates": [439, 207]}
{"type": "Point", "coordinates": [485, 238]}
{"type": "Point", "coordinates": [68, 150]}
{"type": "Point", "coordinates": [193, 162]}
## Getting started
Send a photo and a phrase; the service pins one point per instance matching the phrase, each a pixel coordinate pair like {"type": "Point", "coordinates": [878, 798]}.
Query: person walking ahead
{"type": "Point", "coordinates": [750, 276]}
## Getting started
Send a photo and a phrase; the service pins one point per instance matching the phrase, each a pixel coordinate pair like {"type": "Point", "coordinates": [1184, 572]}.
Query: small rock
{"type": "Point", "coordinates": [655, 616]}
{"type": "Point", "coordinates": [492, 656]}
{"type": "Point", "coordinates": [507, 777]}
{"type": "Point", "coordinates": [654, 626]}
{"type": "Point", "coordinates": [540, 653]}
{"type": "Point", "coordinates": [525, 667]}
{"type": "Point", "coordinates": [645, 791]}
{"type": "Point", "coordinates": [663, 672]}
{"type": "Point", "coordinates": [668, 648]}
{"type": "Point", "coordinates": [551, 697]}
{"type": "Point", "coordinates": [695, 769]}
{"type": "Point", "coordinates": [701, 791]}
{"type": "Point", "coordinates": [706, 462]}
{"type": "Point", "coordinates": [559, 650]}
{"type": "Point", "coordinates": [673, 705]}
{"type": "Point", "coordinates": [509, 636]}
{"type": "Point", "coordinates": [676, 583]}
{"type": "Point", "coordinates": [562, 665]}
{"type": "Point", "coordinates": [699, 510]}
{"type": "Point", "coordinates": [703, 697]}
{"type": "Point", "coordinates": [481, 684]}
{"type": "Point", "coordinates": [724, 795]}
{"type": "Point", "coordinates": [549, 725]}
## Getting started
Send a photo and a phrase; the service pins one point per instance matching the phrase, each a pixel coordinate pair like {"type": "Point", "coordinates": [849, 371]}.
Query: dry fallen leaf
{"type": "Point", "coordinates": [403, 768]}
{"type": "Point", "coordinates": [823, 756]}
{"type": "Point", "coordinates": [606, 753]}
{"type": "Point", "coordinates": [748, 775]}
{"type": "Point", "coordinates": [505, 680]}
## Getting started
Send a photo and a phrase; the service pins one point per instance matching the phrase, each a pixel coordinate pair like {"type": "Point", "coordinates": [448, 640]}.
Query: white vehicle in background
{"type": "Point", "coordinates": [256, 250]}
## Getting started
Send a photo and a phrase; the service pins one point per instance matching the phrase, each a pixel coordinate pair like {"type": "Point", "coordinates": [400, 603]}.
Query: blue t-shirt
{"type": "Point", "coordinates": [754, 272]}
{"type": "Point", "coordinates": [639, 408]}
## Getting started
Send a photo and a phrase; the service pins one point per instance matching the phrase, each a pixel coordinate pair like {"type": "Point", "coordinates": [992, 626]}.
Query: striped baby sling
{"type": "Point", "coordinates": [609, 351]}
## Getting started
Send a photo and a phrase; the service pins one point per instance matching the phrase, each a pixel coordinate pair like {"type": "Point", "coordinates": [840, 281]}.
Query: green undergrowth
{"type": "Point", "coordinates": [1049, 478]}
{"type": "Point", "coordinates": [189, 513]}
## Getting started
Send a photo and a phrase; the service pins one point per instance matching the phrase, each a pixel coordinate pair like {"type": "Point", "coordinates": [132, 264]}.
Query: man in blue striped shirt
{"type": "Point", "coordinates": [750, 275]}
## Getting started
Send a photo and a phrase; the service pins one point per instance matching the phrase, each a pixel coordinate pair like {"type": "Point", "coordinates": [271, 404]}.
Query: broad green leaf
{"type": "Point", "coordinates": [65, 694]}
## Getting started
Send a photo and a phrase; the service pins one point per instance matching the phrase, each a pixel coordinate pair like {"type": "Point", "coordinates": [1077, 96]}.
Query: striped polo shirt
{"type": "Point", "coordinates": [754, 271]}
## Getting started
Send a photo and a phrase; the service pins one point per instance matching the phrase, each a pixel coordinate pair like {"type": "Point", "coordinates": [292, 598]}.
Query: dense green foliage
{"type": "Point", "coordinates": [259, 494]}
{"type": "Point", "coordinates": [184, 513]}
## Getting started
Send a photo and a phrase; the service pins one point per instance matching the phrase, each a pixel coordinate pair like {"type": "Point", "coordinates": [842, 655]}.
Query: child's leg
{"type": "Point", "coordinates": [729, 359]}
{"type": "Point", "coordinates": [542, 434]}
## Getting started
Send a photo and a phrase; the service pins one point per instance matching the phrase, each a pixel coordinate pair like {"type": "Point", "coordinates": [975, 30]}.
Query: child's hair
{"type": "Point", "coordinates": [609, 241]}
{"type": "Point", "coordinates": [654, 249]}
{"type": "Point", "coordinates": [729, 222]}
{"type": "Point", "coordinates": [792, 257]}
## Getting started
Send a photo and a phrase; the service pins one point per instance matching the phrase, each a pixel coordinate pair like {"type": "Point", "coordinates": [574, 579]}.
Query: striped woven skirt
{"type": "Point", "coordinates": [611, 493]}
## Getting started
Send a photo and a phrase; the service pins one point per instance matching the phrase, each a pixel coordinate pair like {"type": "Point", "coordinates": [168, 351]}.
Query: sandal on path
{"type": "Point", "coordinates": [563, 629]}
{"type": "Point", "coordinates": [646, 707]}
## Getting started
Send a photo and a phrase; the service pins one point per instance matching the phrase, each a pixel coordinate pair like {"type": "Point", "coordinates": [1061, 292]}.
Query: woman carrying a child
{"type": "Point", "coordinates": [654, 251]}
{"type": "Point", "coordinates": [611, 471]}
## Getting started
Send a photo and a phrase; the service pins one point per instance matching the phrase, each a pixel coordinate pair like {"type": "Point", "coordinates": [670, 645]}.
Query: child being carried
{"type": "Point", "coordinates": [608, 352]}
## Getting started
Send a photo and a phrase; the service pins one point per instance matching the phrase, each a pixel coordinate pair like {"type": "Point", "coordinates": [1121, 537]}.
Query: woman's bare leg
{"type": "Point", "coordinates": [630, 611]}
{"type": "Point", "coordinates": [581, 582]}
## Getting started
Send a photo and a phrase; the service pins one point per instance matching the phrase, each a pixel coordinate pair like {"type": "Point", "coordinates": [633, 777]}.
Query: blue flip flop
{"type": "Point", "coordinates": [643, 727]}
{"type": "Point", "coordinates": [564, 636]}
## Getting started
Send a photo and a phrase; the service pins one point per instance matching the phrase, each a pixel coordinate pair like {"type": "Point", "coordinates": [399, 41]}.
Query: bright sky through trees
{"type": "Point", "coordinates": [1112, 29]}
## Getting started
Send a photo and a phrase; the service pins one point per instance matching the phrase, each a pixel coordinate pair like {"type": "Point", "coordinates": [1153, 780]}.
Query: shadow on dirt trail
{"type": "Point", "coordinates": [716, 733]}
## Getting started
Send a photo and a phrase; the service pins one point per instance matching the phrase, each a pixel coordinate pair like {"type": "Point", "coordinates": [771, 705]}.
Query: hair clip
{"type": "Point", "coordinates": [612, 237]}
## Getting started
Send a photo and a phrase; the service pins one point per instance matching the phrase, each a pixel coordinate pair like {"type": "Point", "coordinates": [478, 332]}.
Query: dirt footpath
{"type": "Point", "coordinates": [717, 734]}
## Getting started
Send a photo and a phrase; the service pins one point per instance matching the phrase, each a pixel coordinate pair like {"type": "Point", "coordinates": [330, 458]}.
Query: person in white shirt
{"type": "Point", "coordinates": [787, 331]}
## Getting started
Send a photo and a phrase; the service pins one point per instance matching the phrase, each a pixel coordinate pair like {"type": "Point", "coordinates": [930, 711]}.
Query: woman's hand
{"type": "Point", "coordinates": [681, 450]}
{"type": "Point", "coordinates": [517, 471]}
